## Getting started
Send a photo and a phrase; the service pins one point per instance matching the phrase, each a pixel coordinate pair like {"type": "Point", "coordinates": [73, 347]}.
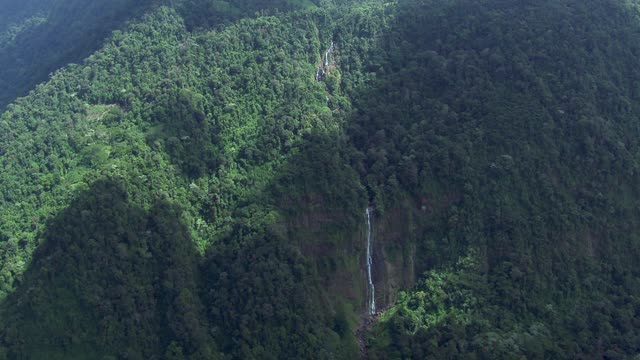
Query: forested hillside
{"type": "Point", "coordinates": [191, 180]}
{"type": "Point", "coordinates": [523, 117]}
{"type": "Point", "coordinates": [38, 37]}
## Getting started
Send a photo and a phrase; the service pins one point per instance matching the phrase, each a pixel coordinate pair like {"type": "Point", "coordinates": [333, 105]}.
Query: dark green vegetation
{"type": "Point", "coordinates": [524, 117]}
{"type": "Point", "coordinates": [38, 37]}
{"type": "Point", "coordinates": [189, 191]}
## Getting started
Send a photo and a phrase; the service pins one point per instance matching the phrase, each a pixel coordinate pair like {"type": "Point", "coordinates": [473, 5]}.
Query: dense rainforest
{"type": "Point", "coordinates": [208, 179]}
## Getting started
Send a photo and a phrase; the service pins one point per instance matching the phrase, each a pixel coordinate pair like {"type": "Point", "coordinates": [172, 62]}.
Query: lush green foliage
{"type": "Point", "coordinates": [190, 190]}
{"type": "Point", "coordinates": [215, 121]}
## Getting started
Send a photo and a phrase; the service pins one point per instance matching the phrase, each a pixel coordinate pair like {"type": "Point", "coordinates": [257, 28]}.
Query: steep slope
{"type": "Point", "coordinates": [204, 120]}
{"type": "Point", "coordinates": [511, 127]}
{"type": "Point", "coordinates": [124, 285]}
{"type": "Point", "coordinates": [38, 37]}
{"type": "Point", "coordinates": [201, 193]}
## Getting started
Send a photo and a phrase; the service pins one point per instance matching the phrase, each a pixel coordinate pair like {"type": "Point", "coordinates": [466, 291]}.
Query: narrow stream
{"type": "Point", "coordinates": [372, 288]}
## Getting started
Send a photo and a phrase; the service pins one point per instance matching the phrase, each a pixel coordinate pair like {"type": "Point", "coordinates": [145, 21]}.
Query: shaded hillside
{"type": "Point", "coordinates": [124, 279]}
{"type": "Point", "coordinates": [525, 118]}
{"type": "Point", "coordinates": [46, 35]}
{"type": "Point", "coordinates": [38, 37]}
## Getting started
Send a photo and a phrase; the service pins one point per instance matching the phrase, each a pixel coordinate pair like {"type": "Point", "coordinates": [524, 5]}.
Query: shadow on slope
{"type": "Point", "coordinates": [72, 31]}
{"type": "Point", "coordinates": [527, 150]}
{"type": "Point", "coordinates": [110, 280]}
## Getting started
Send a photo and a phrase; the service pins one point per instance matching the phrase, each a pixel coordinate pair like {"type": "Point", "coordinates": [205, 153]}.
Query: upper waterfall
{"type": "Point", "coordinates": [322, 69]}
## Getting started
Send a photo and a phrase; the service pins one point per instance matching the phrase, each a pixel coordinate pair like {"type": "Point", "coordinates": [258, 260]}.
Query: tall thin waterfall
{"type": "Point", "coordinates": [372, 289]}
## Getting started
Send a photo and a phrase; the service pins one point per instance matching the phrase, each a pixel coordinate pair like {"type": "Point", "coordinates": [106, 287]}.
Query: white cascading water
{"type": "Point", "coordinates": [322, 70]}
{"type": "Point", "coordinates": [372, 289]}
{"type": "Point", "coordinates": [326, 55]}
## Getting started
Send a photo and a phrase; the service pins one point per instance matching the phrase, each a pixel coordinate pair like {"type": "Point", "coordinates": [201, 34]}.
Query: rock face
{"type": "Point", "coordinates": [394, 254]}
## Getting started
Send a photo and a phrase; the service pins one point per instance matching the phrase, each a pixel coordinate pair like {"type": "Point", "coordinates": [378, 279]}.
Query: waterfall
{"type": "Point", "coordinates": [322, 69]}
{"type": "Point", "coordinates": [326, 55]}
{"type": "Point", "coordinates": [372, 289]}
